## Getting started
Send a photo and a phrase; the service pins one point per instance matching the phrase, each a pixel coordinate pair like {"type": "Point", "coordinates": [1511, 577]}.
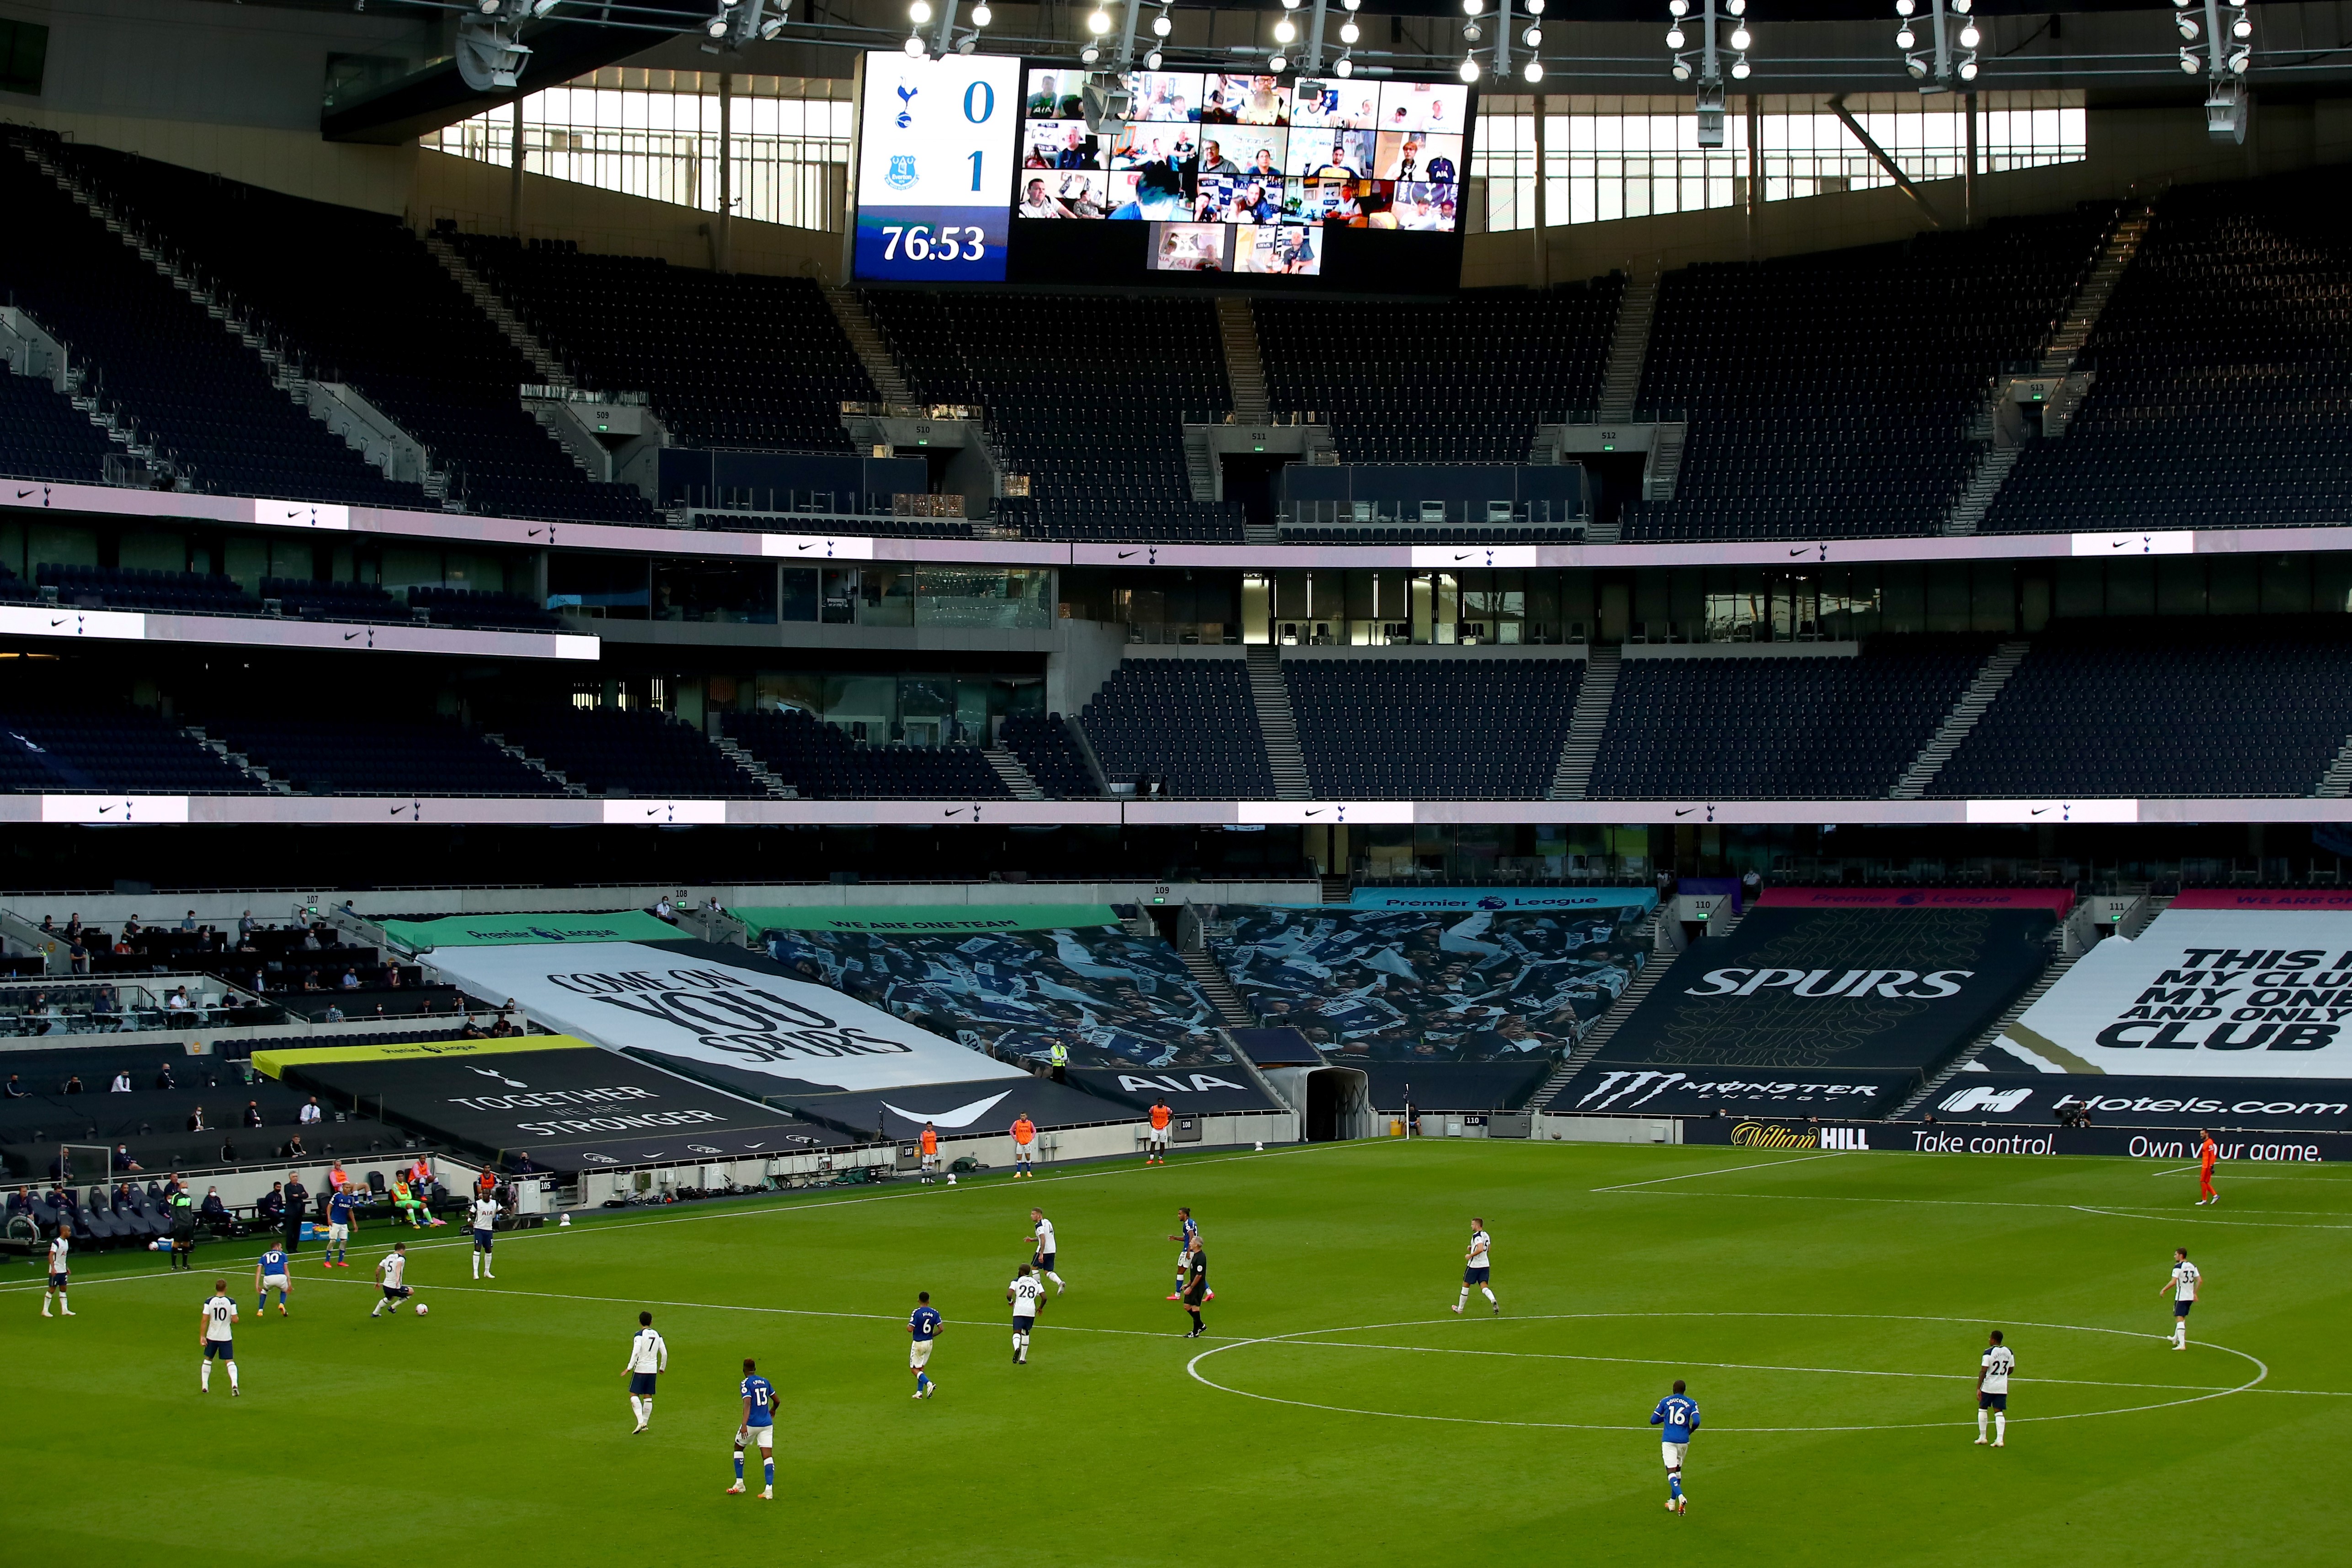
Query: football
{"type": "Point", "coordinates": [420, 1309]}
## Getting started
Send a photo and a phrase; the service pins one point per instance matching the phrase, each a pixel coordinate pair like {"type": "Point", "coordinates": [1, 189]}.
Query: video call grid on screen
{"type": "Point", "coordinates": [1311, 183]}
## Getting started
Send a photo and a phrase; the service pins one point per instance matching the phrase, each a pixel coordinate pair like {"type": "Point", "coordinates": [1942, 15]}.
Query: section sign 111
{"type": "Point", "coordinates": [936, 141]}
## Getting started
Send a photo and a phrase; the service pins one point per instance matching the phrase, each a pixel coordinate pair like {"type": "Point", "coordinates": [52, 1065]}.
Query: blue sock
{"type": "Point", "coordinates": [1674, 1484]}
{"type": "Point", "coordinates": [768, 1471]}
{"type": "Point", "coordinates": [261, 1302]}
{"type": "Point", "coordinates": [738, 1464]}
{"type": "Point", "coordinates": [922, 1380]}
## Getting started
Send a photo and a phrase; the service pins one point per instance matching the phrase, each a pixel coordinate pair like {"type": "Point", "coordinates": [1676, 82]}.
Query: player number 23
{"type": "Point", "coordinates": [952, 244]}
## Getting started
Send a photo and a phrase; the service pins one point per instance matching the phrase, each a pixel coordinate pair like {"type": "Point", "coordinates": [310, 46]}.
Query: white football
{"type": "Point", "coordinates": [420, 1309]}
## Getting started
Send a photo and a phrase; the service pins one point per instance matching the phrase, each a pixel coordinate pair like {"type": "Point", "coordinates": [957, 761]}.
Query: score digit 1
{"type": "Point", "coordinates": [975, 171]}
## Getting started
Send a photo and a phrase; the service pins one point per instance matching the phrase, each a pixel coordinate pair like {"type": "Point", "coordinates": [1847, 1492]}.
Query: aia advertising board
{"type": "Point", "coordinates": [2226, 991]}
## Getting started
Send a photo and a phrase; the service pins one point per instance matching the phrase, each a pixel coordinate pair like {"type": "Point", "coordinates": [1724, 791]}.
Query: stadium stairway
{"type": "Point", "coordinates": [1629, 345]}
{"type": "Point", "coordinates": [1574, 776]}
{"type": "Point", "coordinates": [1962, 719]}
{"type": "Point", "coordinates": [1604, 1028]}
{"type": "Point", "coordinates": [777, 788]}
{"type": "Point", "coordinates": [882, 367]}
{"type": "Point", "coordinates": [1016, 777]}
{"type": "Point", "coordinates": [1279, 724]}
{"type": "Point", "coordinates": [1245, 365]}
{"type": "Point", "coordinates": [2337, 782]}
{"type": "Point", "coordinates": [2058, 967]}
{"type": "Point", "coordinates": [1219, 990]}
{"type": "Point", "coordinates": [551, 370]}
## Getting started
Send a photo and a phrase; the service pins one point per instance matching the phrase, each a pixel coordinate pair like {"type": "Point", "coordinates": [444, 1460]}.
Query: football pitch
{"type": "Point", "coordinates": [1827, 1311]}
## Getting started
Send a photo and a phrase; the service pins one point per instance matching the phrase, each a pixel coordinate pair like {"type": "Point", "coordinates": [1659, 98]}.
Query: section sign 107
{"type": "Point", "coordinates": [935, 142]}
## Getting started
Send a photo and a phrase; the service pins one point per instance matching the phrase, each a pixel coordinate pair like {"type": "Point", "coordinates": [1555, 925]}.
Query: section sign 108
{"type": "Point", "coordinates": [935, 142]}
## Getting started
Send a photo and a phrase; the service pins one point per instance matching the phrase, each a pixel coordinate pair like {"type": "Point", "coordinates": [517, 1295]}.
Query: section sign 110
{"type": "Point", "coordinates": [935, 164]}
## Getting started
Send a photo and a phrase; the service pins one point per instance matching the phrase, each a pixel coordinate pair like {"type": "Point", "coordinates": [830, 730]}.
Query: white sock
{"type": "Point", "coordinates": [645, 1411]}
{"type": "Point", "coordinates": [1488, 1292]}
{"type": "Point", "coordinates": [2001, 1426]}
{"type": "Point", "coordinates": [1049, 1274]}
{"type": "Point", "coordinates": [61, 1302]}
{"type": "Point", "coordinates": [205, 1375]}
{"type": "Point", "coordinates": [1458, 1300]}
{"type": "Point", "coordinates": [232, 1376]}
{"type": "Point", "coordinates": [1981, 1426]}
{"type": "Point", "coordinates": [637, 1408]}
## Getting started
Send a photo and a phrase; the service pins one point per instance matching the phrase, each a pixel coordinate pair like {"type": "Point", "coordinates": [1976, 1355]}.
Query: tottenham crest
{"type": "Point", "coordinates": [902, 172]}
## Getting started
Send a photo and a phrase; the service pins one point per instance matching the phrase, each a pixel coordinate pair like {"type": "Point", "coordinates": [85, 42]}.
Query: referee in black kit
{"type": "Point", "coordinates": [1196, 1286]}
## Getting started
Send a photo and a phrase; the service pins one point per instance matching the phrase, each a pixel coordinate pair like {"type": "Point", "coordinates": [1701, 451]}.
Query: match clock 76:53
{"type": "Point", "coordinates": [921, 242]}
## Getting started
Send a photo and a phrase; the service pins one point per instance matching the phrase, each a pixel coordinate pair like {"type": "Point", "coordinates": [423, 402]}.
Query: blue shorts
{"type": "Point", "coordinates": [482, 1241]}
{"type": "Point", "coordinates": [56, 1281]}
{"type": "Point", "coordinates": [2181, 1309]}
{"type": "Point", "coordinates": [1024, 1322]}
{"type": "Point", "coordinates": [642, 1383]}
{"type": "Point", "coordinates": [398, 1292]}
{"type": "Point", "coordinates": [1044, 1263]}
{"type": "Point", "coordinates": [1991, 1401]}
{"type": "Point", "coordinates": [225, 1349]}
{"type": "Point", "coordinates": [1474, 1276]}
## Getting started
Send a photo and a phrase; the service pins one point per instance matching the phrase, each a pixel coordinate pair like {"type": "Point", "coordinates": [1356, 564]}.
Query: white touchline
{"type": "Point", "coordinates": [1719, 1171]}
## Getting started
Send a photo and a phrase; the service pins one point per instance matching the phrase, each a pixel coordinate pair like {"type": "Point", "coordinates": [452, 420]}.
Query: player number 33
{"type": "Point", "coordinates": [952, 244]}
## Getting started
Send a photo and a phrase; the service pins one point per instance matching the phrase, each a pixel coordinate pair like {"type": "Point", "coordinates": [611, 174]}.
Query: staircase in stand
{"type": "Point", "coordinates": [2016, 1010]}
{"type": "Point", "coordinates": [1991, 471]}
{"type": "Point", "coordinates": [1981, 689]}
{"type": "Point", "coordinates": [1573, 776]}
{"type": "Point", "coordinates": [1337, 890]}
{"type": "Point", "coordinates": [1278, 723]}
{"type": "Point", "coordinates": [866, 338]}
{"type": "Point", "coordinates": [2082, 315]}
{"type": "Point", "coordinates": [1629, 346]}
{"type": "Point", "coordinates": [1219, 991]}
{"type": "Point", "coordinates": [544, 362]}
{"type": "Point", "coordinates": [538, 766]}
{"type": "Point", "coordinates": [777, 788]}
{"type": "Point", "coordinates": [1604, 1028]}
{"type": "Point", "coordinates": [2335, 783]}
{"type": "Point", "coordinates": [1244, 366]}
{"type": "Point", "coordinates": [1016, 777]}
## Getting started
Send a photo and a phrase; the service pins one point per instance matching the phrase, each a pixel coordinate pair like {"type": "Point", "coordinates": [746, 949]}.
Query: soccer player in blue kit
{"type": "Point", "coordinates": [1679, 1417]}
{"type": "Point", "coordinates": [923, 1326]}
{"type": "Point", "coordinates": [759, 1426]}
{"type": "Point", "coordinates": [271, 1274]}
{"type": "Point", "coordinates": [339, 1229]}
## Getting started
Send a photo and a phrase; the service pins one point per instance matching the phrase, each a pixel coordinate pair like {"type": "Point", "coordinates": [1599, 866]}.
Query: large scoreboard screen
{"type": "Point", "coordinates": [975, 169]}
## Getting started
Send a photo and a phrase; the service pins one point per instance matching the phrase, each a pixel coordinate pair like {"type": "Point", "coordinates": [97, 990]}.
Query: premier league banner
{"type": "Point", "coordinates": [1643, 898]}
{"type": "Point", "coordinates": [719, 1006]}
{"type": "Point", "coordinates": [2202, 992]}
{"type": "Point", "coordinates": [1916, 1138]}
{"type": "Point", "coordinates": [1620, 1089]}
{"type": "Point", "coordinates": [561, 1103]}
{"type": "Point", "coordinates": [1791, 992]}
{"type": "Point", "coordinates": [2318, 1105]}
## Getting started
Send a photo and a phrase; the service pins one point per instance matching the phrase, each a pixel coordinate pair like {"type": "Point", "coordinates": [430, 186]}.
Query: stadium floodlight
{"type": "Point", "coordinates": [2189, 64]}
{"type": "Point", "coordinates": [2244, 27]}
{"type": "Point", "coordinates": [1971, 37]}
{"type": "Point", "coordinates": [914, 45]}
{"type": "Point", "coordinates": [2226, 56]}
{"type": "Point", "coordinates": [919, 11]}
{"type": "Point", "coordinates": [1676, 39]}
{"type": "Point", "coordinates": [1151, 61]}
{"type": "Point", "coordinates": [1285, 31]}
{"type": "Point", "coordinates": [1278, 62]}
{"type": "Point", "coordinates": [1350, 5]}
{"type": "Point", "coordinates": [1740, 38]}
{"type": "Point", "coordinates": [1532, 37]}
{"type": "Point", "coordinates": [1089, 53]}
{"type": "Point", "coordinates": [541, 7]}
{"type": "Point", "coordinates": [1949, 53]}
{"type": "Point", "coordinates": [1473, 7]}
{"type": "Point", "coordinates": [1917, 66]}
{"type": "Point", "coordinates": [2188, 25]}
{"type": "Point", "coordinates": [1708, 67]}
{"type": "Point", "coordinates": [1343, 67]}
{"type": "Point", "coordinates": [1349, 32]}
{"type": "Point", "coordinates": [1161, 26]}
{"type": "Point", "coordinates": [1098, 22]}
{"type": "Point", "coordinates": [775, 25]}
{"type": "Point", "coordinates": [1534, 71]}
{"type": "Point", "coordinates": [1678, 8]}
{"type": "Point", "coordinates": [1470, 33]}
{"type": "Point", "coordinates": [982, 15]}
{"type": "Point", "coordinates": [1469, 68]}
{"type": "Point", "coordinates": [1905, 39]}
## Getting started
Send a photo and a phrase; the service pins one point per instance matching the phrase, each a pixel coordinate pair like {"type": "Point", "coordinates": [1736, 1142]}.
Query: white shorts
{"type": "Point", "coordinates": [1158, 1135]}
{"type": "Point", "coordinates": [1021, 1150]}
{"type": "Point", "coordinates": [918, 1354]}
{"type": "Point", "coordinates": [1673, 1453]}
{"type": "Point", "coordinates": [762, 1437]}
{"type": "Point", "coordinates": [338, 1233]}
{"type": "Point", "coordinates": [275, 1282]}
{"type": "Point", "coordinates": [930, 1161]}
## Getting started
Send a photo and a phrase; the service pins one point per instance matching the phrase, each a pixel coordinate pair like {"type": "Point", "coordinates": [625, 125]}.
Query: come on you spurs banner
{"type": "Point", "coordinates": [2202, 992]}
{"type": "Point", "coordinates": [677, 1000]}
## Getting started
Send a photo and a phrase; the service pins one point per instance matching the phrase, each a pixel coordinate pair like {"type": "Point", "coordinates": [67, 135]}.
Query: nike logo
{"type": "Point", "coordinates": [349, 636]}
{"type": "Point", "coordinates": [961, 1116]}
{"type": "Point", "coordinates": [1466, 557]}
{"type": "Point", "coordinates": [1128, 554]}
{"type": "Point", "coordinates": [22, 494]}
{"type": "Point", "coordinates": [806, 547]}
{"type": "Point", "coordinates": [61, 621]}
{"type": "Point", "coordinates": [1686, 811]}
{"type": "Point", "coordinates": [957, 811]}
{"type": "Point", "coordinates": [531, 533]}
{"type": "Point", "coordinates": [1317, 812]}
{"type": "Point", "coordinates": [655, 812]}
{"type": "Point", "coordinates": [2037, 811]}
{"type": "Point", "coordinates": [1800, 552]}
{"type": "Point", "coordinates": [2117, 544]}
{"type": "Point", "coordinates": [104, 809]}
{"type": "Point", "coordinates": [398, 809]}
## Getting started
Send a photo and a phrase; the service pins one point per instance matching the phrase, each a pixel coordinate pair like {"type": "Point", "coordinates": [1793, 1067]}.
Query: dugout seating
{"type": "Point", "coordinates": [826, 764]}
{"type": "Point", "coordinates": [1085, 394]}
{"type": "Point", "coordinates": [43, 437]}
{"type": "Point", "coordinates": [731, 359]}
{"type": "Point", "coordinates": [1419, 985]}
{"type": "Point", "coordinates": [2223, 364]}
{"type": "Point", "coordinates": [384, 317]}
{"type": "Point", "coordinates": [1779, 726]}
{"type": "Point", "coordinates": [1464, 379]}
{"type": "Point", "coordinates": [1431, 729]}
{"type": "Point", "coordinates": [154, 356]}
{"type": "Point", "coordinates": [94, 751]}
{"type": "Point", "coordinates": [1110, 998]}
{"type": "Point", "coordinates": [2155, 708]}
{"type": "Point", "coordinates": [1829, 395]}
{"type": "Point", "coordinates": [1050, 752]}
{"type": "Point", "coordinates": [1187, 725]}
{"type": "Point", "coordinates": [614, 751]}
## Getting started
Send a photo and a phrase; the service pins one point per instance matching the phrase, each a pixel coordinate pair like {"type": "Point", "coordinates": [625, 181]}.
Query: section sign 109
{"type": "Point", "coordinates": [935, 166]}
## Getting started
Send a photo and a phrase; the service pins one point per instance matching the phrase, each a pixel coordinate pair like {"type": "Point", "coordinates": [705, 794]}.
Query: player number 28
{"type": "Point", "coordinates": [952, 244]}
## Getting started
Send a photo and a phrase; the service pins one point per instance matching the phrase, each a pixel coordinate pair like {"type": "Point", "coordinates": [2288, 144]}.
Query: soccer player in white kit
{"type": "Point", "coordinates": [217, 1338]}
{"type": "Point", "coordinates": [391, 1273]}
{"type": "Point", "coordinates": [648, 1356]}
{"type": "Point", "coordinates": [2186, 1280]}
{"type": "Point", "coordinates": [58, 1248]}
{"type": "Point", "coordinates": [1477, 1262]}
{"type": "Point", "coordinates": [1025, 1291]}
{"type": "Point", "coordinates": [1042, 1234]}
{"type": "Point", "coordinates": [1993, 1391]}
{"type": "Point", "coordinates": [485, 1219]}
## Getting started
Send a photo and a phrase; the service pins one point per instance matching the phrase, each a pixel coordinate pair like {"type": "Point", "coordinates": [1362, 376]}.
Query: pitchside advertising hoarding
{"type": "Point", "coordinates": [2221, 992]}
{"type": "Point", "coordinates": [2319, 1105]}
{"type": "Point", "coordinates": [1622, 1088]}
{"type": "Point", "coordinates": [1800, 1134]}
{"type": "Point", "coordinates": [1792, 991]}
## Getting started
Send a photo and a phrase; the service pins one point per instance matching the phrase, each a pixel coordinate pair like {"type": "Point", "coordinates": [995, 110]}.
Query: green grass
{"type": "Point", "coordinates": [497, 1429]}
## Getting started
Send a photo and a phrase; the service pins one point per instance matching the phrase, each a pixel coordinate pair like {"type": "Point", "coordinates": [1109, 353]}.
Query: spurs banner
{"type": "Point", "coordinates": [2318, 1105]}
{"type": "Point", "coordinates": [561, 1103]}
{"type": "Point", "coordinates": [1793, 991]}
{"type": "Point", "coordinates": [718, 1005]}
{"type": "Point", "coordinates": [1914, 1137]}
{"type": "Point", "coordinates": [2202, 992]}
{"type": "Point", "coordinates": [1624, 1088]}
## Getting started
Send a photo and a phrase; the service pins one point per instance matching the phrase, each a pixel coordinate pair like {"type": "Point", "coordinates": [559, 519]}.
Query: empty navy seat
{"type": "Point", "coordinates": [1189, 724]}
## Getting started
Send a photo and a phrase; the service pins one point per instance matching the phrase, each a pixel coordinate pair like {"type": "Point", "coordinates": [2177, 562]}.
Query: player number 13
{"type": "Point", "coordinates": [952, 242]}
